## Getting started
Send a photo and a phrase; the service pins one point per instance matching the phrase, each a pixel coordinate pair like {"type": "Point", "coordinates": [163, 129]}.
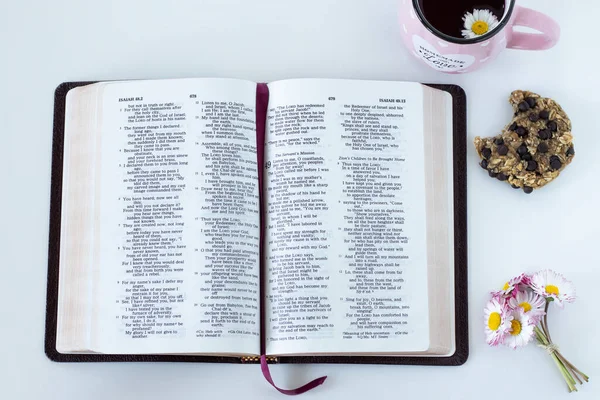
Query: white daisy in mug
{"type": "Point", "coordinates": [521, 329]}
{"type": "Point", "coordinates": [478, 23]}
{"type": "Point", "coordinates": [531, 303]}
{"type": "Point", "coordinates": [553, 285]}
{"type": "Point", "coordinates": [497, 322]}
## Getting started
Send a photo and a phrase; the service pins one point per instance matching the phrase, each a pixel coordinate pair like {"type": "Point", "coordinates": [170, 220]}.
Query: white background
{"type": "Point", "coordinates": [43, 43]}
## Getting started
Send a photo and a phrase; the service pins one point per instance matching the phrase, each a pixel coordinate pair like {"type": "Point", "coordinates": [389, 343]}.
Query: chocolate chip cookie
{"type": "Point", "coordinates": [533, 148]}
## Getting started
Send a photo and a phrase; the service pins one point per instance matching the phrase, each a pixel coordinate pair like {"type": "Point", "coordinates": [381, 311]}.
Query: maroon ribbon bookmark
{"type": "Point", "coordinates": [262, 101]}
{"type": "Point", "coordinates": [290, 392]}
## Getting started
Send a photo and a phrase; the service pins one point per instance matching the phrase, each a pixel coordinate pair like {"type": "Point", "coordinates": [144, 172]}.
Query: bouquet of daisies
{"type": "Point", "coordinates": [518, 313]}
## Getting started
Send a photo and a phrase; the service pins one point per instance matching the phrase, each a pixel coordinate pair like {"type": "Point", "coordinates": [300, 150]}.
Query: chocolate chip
{"type": "Point", "coordinates": [544, 134]}
{"type": "Point", "coordinates": [552, 126]}
{"type": "Point", "coordinates": [544, 114]}
{"type": "Point", "coordinates": [527, 189]}
{"type": "Point", "coordinates": [502, 150]}
{"type": "Point", "coordinates": [526, 157]}
{"type": "Point", "coordinates": [501, 177]}
{"type": "Point", "coordinates": [513, 127]}
{"type": "Point", "coordinates": [498, 141]}
{"type": "Point", "coordinates": [492, 174]}
{"type": "Point", "coordinates": [521, 131]}
{"type": "Point", "coordinates": [514, 186]}
{"type": "Point", "coordinates": [542, 147]}
{"type": "Point", "coordinates": [555, 163]}
{"type": "Point", "coordinates": [534, 117]}
{"type": "Point", "coordinates": [531, 165]}
{"type": "Point", "coordinates": [530, 101]}
{"type": "Point", "coordinates": [570, 151]}
{"type": "Point", "coordinates": [522, 149]}
{"type": "Point", "coordinates": [484, 164]}
{"type": "Point", "coordinates": [523, 106]}
{"type": "Point", "coordinates": [486, 153]}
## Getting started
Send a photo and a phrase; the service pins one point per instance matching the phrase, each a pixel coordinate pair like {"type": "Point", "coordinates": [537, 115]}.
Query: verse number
{"type": "Point", "coordinates": [268, 164]}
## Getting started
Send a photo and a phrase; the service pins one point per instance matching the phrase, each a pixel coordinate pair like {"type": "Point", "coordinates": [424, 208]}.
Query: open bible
{"type": "Point", "coordinates": [307, 220]}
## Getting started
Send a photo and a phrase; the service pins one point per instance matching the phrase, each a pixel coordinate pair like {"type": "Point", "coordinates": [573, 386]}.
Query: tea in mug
{"type": "Point", "coordinates": [459, 18]}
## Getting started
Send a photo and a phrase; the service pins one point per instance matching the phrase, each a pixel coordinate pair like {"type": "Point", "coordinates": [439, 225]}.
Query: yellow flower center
{"type": "Point", "coordinates": [526, 306]}
{"type": "Point", "coordinates": [506, 286]}
{"type": "Point", "coordinates": [516, 327]}
{"type": "Point", "coordinates": [494, 321]}
{"type": "Point", "coordinates": [551, 289]}
{"type": "Point", "coordinates": [479, 27]}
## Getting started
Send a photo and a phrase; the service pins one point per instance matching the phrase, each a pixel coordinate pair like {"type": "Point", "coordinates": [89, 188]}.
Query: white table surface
{"type": "Point", "coordinates": [43, 43]}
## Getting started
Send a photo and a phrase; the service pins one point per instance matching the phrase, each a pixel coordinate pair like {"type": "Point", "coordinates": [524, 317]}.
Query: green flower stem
{"type": "Point", "coordinates": [575, 370]}
{"type": "Point", "coordinates": [545, 319]}
{"type": "Point", "coordinates": [570, 367]}
{"type": "Point", "coordinates": [583, 376]}
{"type": "Point", "coordinates": [541, 337]}
{"type": "Point", "coordinates": [568, 378]}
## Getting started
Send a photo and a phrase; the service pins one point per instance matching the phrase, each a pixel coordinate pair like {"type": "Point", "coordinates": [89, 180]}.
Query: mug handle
{"type": "Point", "coordinates": [550, 30]}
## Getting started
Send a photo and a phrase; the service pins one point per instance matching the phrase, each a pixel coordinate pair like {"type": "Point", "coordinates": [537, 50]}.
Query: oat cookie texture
{"type": "Point", "coordinates": [533, 148]}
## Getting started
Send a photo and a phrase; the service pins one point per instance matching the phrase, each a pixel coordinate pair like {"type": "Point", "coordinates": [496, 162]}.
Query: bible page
{"type": "Point", "coordinates": [346, 262]}
{"type": "Point", "coordinates": [178, 219]}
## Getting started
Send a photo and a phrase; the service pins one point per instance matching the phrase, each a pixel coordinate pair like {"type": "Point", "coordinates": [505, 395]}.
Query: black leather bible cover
{"type": "Point", "coordinates": [460, 254]}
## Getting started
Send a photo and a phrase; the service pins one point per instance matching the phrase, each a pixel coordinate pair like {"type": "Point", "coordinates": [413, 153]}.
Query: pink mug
{"type": "Point", "coordinates": [458, 55]}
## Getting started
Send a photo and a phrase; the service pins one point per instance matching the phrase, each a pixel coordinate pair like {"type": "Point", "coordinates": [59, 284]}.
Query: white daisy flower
{"type": "Point", "coordinates": [509, 287]}
{"type": "Point", "coordinates": [531, 303]}
{"type": "Point", "coordinates": [521, 329]}
{"type": "Point", "coordinates": [552, 285]}
{"type": "Point", "coordinates": [478, 23]}
{"type": "Point", "coordinates": [497, 322]}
